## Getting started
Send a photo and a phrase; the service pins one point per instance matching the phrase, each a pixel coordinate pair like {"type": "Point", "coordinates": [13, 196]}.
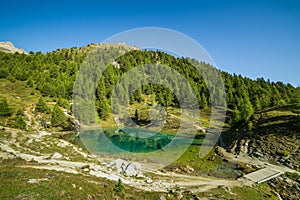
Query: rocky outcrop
{"type": "Point", "coordinates": [129, 169]}
{"type": "Point", "coordinates": [8, 47]}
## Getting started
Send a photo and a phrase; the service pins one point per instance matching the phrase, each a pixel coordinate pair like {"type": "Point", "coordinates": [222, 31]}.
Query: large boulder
{"type": "Point", "coordinates": [133, 169]}
{"type": "Point", "coordinates": [129, 169]}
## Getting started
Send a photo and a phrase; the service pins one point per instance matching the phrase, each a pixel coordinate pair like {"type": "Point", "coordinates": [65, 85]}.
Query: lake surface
{"type": "Point", "coordinates": [131, 140]}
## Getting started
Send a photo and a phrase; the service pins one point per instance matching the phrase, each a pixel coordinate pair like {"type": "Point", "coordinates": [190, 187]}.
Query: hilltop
{"type": "Point", "coordinates": [9, 47]}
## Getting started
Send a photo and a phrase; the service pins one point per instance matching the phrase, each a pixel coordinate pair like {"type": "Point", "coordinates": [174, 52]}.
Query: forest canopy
{"type": "Point", "coordinates": [54, 73]}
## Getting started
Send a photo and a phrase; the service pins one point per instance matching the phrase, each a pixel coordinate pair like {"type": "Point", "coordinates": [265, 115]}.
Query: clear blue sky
{"type": "Point", "coordinates": [252, 38]}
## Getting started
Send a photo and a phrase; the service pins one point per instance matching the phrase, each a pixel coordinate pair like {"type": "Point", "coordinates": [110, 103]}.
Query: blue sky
{"type": "Point", "coordinates": [252, 38]}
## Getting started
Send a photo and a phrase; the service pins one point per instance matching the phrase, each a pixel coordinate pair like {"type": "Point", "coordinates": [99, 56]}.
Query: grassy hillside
{"type": "Point", "coordinates": [273, 135]}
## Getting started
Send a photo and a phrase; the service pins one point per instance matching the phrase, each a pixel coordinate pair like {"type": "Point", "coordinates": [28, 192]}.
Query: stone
{"type": "Point", "coordinates": [112, 177]}
{"type": "Point", "coordinates": [33, 180]}
{"type": "Point", "coordinates": [130, 169]}
{"type": "Point", "coordinates": [178, 195]}
{"type": "Point", "coordinates": [8, 47]}
{"type": "Point", "coordinates": [149, 180]}
{"type": "Point", "coordinates": [257, 155]}
{"type": "Point", "coordinates": [56, 156]}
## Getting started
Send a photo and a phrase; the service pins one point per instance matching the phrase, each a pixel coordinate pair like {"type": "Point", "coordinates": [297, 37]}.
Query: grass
{"type": "Point", "coordinates": [18, 94]}
{"type": "Point", "coordinates": [259, 192]}
{"type": "Point", "coordinates": [211, 165]}
{"type": "Point", "coordinates": [58, 185]}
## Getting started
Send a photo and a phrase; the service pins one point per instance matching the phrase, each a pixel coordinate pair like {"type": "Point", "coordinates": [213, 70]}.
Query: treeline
{"type": "Point", "coordinates": [54, 73]}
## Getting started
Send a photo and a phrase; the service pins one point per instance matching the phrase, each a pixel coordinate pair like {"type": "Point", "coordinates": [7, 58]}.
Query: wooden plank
{"type": "Point", "coordinates": [263, 175]}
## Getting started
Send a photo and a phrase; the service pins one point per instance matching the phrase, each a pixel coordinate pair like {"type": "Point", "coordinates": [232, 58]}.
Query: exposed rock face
{"type": "Point", "coordinates": [8, 47]}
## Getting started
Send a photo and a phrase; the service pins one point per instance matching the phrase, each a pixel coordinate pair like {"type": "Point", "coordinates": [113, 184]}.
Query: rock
{"type": "Point", "coordinates": [140, 175]}
{"type": "Point", "coordinates": [257, 155]}
{"type": "Point", "coordinates": [188, 192]}
{"type": "Point", "coordinates": [178, 195]}
{"type": "Point", "coordinates": [119, 165]}
{"type": "Point", "coordinates": [130, 169]}
{"type": "Point", "coordinates": [133, 169]}
{"type": "Point", "coordinates": [162, 197]}
{"type": "Point", "coordinates": [149, 180]}
{"type": "Point", "coordinates": [56, 156]}
{"type": "Point", "coordinates": [8, 47]}
{"type": "Point", "coordinates": [108, 176]}
{"type": "Point", "coordinates": [104, 164]}
{"type": "Point", "coordinates": [33, 180]}
{"type": "Point", "coordinates": [95, 168]}
{"type": "Point", "coordinates": [191, 169]}
{"type": "Point", "coordinates": [212, 158]}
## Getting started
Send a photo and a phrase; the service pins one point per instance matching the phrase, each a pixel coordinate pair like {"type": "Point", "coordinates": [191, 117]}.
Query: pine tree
{"type": "Point", "coordinates": [136, 115]}
{"type": "Point", "coordinates": [5, 110]}
{"type": "Point", "coordinates": [119, 187]}
{"type": "Point", "coordinates": [103, 109]}
{"type": "Point", "coordinates": [58, 117]}
{"type": "Point", "coordinates": [20, 123]}
{"type": "Point", "coordinates": [41, 106]}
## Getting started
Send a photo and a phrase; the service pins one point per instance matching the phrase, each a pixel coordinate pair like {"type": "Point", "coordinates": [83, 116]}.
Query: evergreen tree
{"type": "Point", "coordinates": [20, 123]}
{"type": "Point", "coordinates": [246, 110]}
{"type": "Point", "coordinates": [41, 106]}
{"type": "Point", "coordinates": [103, 109]}
{"type": "Point", "coordinates": [20, 112]}
{"type": "Point", "coordinates": [58, 118]}
{"type": "Point", "coordinates": [119, 187]}
{"type": "Point", "coordinates": [136, 115]}
{"type": "Point", "coordinates": [5, 110]}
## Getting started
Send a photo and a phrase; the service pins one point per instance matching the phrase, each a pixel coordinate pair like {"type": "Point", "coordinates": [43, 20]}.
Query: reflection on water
{"type": "Point", "coordinates": [130, 140]}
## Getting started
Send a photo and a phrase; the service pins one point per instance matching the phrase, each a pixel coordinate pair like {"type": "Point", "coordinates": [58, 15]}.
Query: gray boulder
{"type": "Point", "coordinates": [129, 169]}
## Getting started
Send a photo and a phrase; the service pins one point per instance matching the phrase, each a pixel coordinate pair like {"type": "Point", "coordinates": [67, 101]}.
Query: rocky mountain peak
{"type": "Point", "coordinates": [9, 47]}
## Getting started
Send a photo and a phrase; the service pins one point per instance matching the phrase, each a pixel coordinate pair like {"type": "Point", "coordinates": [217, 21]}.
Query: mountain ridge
{"type": "Point", "coordinates": [9, 47]}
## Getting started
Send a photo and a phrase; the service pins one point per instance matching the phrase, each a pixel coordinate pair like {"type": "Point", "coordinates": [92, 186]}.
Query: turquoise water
{"type": "Point", "coordinates": [130, 140]}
